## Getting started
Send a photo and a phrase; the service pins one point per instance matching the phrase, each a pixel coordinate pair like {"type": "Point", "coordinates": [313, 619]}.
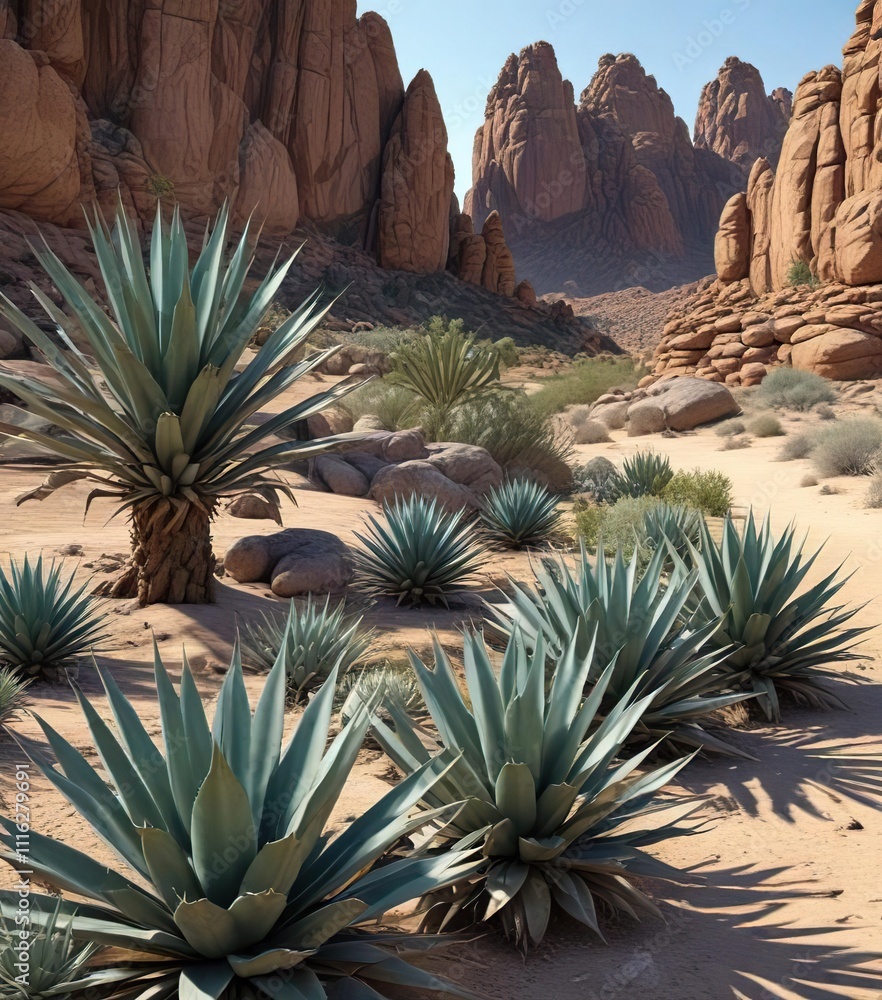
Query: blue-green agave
{"type": "Point", "coordinates": [560, 809]}
{"type": "Point", "coordinates": [778, 636]}
{"type": "Point", "coordinates": [236, 886]}
{"type": "Point", "coordinates": [520, 513]}
{"type": "Point", "coordinates": [46, 621]}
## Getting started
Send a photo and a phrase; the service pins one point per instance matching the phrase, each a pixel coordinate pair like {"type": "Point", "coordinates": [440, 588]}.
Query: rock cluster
{"type": "Point", "coordinates": [728, 334]}
{"type": "Point", "coordinates": [822, 207]}
{"type": "Point", "coordinates": [676, 404]}
{"type": "Point", "coordinates": [611, 190]}
{"type": "Point", "coordinates": [737, 119]}
{"type": "Point", "coordinates": [385, 465]}
{"type": "Point", "coordinates": [294, 561]}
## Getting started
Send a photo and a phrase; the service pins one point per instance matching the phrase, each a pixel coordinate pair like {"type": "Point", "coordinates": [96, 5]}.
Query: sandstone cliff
{"type": "Point", "coordinates": [611, 192]}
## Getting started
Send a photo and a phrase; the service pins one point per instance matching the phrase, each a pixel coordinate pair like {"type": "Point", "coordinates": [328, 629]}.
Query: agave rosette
{"type": "Point", "coordinates": [520, 513]}
{"type": "Point", "coordinates": [244, 889]}
{"type": "Point", "coordinates": [644, 629]}
{"type": "Point", "coordinates": [644, 474]}
{"type": "Point", "coordinates": [780, 636]}
{"type": "Point", "coordinates": [561, 811]}
{"type": "Point", "coordinates": [166, 417]}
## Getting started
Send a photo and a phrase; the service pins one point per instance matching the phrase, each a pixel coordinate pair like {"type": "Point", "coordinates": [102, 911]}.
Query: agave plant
{"type": "Point", "coordinates": [13, 696]}
{"type": "Point", "coordinates": [236, 886]}
{"type": "Point", "coordinates": [643, 630]}
{"type": "Point", "coordinates": [395, 681]}
{"type": "Point", "coordinates": [446, 369]}
{"type": "Point", "coordinates": [162, 425]}
{"type": "Point", "coordinates": [781, 638]}
{"type": "Point", "coordinates": [667, 525]}
{"type": "Point", "coordinates": [555, 802]}
{"type": "Point", "coordinates": [422, 554]}
{"type": "Point", "coordinates": [56, 964]}
{"type": "Point", "coordinates": [316, 638]}
{"type": "Point", "coordinates": [520, 513]}
{"type": "Point", "coordinates": [46, 622]}
{"type": "Point", "coordinates": [645, 474]}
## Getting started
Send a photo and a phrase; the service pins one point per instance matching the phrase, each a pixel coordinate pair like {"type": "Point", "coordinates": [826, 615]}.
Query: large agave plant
{"type": "Point", "coordinates": [557, 805]}
{"type": "Point", "coordinates": [645, 474]}
{"type": "Point", "coordinates": [781, 638]}
{"type": "Point", "coordinates": [520, 513]}
{"type": "Point", "coordinates": [316, 638]}
{"type": "Point", "coordinates": [236, 887]}
{"type": "Point", "coordinates": [55, 964]}
{"type": "Point", "coordinates": [421, 555]}
{"type": "Point", "coordinates": [46, 621]}
{"type": "Point", "coordinates": [161, 419]}
{"type": "Point", "coordinates": [643, 630]}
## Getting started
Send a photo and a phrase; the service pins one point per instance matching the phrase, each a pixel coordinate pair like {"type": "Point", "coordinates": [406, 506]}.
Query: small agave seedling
{"type": "Point", "coordinates": [57, 965]}
{"type": "Point", "coordinates": [237, 888]}
{"type": "Point", "coordinates": [781, 638]}
{"type": "Point", "coordinates": [556, 802]}
{"type": "Point", "coordinates": [643, 629]}
{"type": "Point", "coordinates": [421, 555]}
{"type": "Point", "coordinates": [520, 513]}
{"type": "Point", "coordinates": [316, 638]}
{"type": "Point", "coordinates": [46, 622]}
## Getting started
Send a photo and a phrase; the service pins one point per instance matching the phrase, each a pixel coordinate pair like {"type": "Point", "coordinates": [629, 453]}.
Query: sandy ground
{"type": "Point", "coordinates": [791, 905]}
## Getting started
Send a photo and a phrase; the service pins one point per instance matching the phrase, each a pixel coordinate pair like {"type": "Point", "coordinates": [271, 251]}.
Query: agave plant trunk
{"type": "Point", "coordinates": [171, 563]}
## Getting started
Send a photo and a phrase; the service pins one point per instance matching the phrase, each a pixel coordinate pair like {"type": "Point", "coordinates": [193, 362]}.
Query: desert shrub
{"type": "Point", "coordinates": [848, 447]}
{"type": "Point", "coordinates": [709, 491]}
{"type": "Point", "coordinates": [384, 339]}
{"type": "Point", "coordinates": [421, 554]}
{"type": "Point", "coordinates": [585, 382]}
{"type": "Point", "coordinates": [316, 639]}
{"type": "Point", "coordinates": [874, 493]}
{"type": "Point", "coordinates": [730, 428]}
{"type": "Point", "coordinates": [736, 443]}
{"type": "Point", "coordinates": [161, 186]}
{"type": "Point", "coordinates": [825, 412]}
{"type": "Point", "coordinates": [808, 481]}
{"type": "Point", "coordinates": [584, 429]}
{"type": "Point", "coordinates": [519, 438]}
{"type": "Point", "coordinates": [621, 526]}
{"type": "Point", "coordinates": [46, 622]}
{"type": "Point", "coordinates": [396, 408]}
{"type": "Point", "coordinates": [520, 513]}
{"type": "Point", "coordinates": [800, 273]}
{"type": "Point", "coordinates": [798, 446]}
{"type": "Point", "coordinates": [791, 389]}
{"type": "Point", "coordinates": [766, 425]}
{"type": "Point", "coordinates": [506, 350]}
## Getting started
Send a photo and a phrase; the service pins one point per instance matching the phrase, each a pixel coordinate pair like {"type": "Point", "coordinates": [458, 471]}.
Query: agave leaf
{"type": "Point", "coordinates": [169, 868]}
{"type": "Point", "coordinates": [205, 981]}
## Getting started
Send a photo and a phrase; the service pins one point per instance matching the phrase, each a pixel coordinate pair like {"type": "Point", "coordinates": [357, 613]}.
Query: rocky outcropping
{"type": "Point", "coordinates": [609, 193]}
{"type": "Point", "coordinates": [676, 404]}
{"type": "Point", "coordinates": [737, 119]}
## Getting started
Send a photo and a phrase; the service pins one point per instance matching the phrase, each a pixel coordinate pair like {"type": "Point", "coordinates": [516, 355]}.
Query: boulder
{"type": "Point", "coordinates": [614, 415]}
{"type": "Point", "coordinates": [732, 244]}
{"type": "Point", "coordinates": [858, 239]}
{"type": "Point", "coordinates": [467, 465]}
{"type": "Point", "coordinates": [334, 474]}
{"type": "Point", "coordinates": [253, 508]}
{"type": "Point", "coordinates": [420, 478]}
{"type": "Point", "coordinates": [334, 420]}
{"type": "Point", "coordinates": [690, 402]}
{"type": "Point", "coordinates": [840, 354]}
{"type": "Point", "coordinates": [404, 446]}
{"type": "Point", "coordinates": [295, 561]}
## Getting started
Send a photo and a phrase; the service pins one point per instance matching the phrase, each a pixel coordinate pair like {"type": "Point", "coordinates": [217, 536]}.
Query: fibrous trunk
{"type": "Point", "coordinates": [172, 561]}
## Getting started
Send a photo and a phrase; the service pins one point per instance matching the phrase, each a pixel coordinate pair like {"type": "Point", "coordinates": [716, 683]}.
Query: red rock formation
{"type": "Point", "coordinates": [613, 186]}
{"type": "Point", "coordinates": [417, 185]}
{"type": "Point", "coordinates": [737, 120]}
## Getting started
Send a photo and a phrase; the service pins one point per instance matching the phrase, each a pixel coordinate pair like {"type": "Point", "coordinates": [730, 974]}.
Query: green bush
{"type": "Point", "coordinates": [791, 389]}
{"type": "Point", "coordinates": [621, 525]}
{"type": "Point", "coordinates": [849, 447]}
{"type": "Point", "coordinates": [396, 408]}
{"type": "Point", "coordinates": [800, 273]}
{"type": "Point", "coordinates": [766, 425]}
{"type": "Point", "coordinates": [520, 439]}
{"type": "Point", "coordinates": [708, 491]}
{"type": "Point", "coordinates": [585, 382]}
{"type": "Point", "coordinates": [797, 447]}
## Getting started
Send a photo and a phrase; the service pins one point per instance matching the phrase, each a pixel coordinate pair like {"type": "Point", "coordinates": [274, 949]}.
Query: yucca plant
{"type": "Point", "coordinates": [520, 513]}
{"type": "Point", "coordinates": [446, 369]}
{"type": "Point", "coordinates": [46, 621]}
{"type": "Point", "coordinates": [644, 474]}
{"type": "Point", "coordinates": [162, 424]}
{"type": "Point", "coordinates": [56, 964]}
{"type": "Point", "coordinates": [236, 888]}
{"type": "Point", "coordinates": [421, 554]}
{"type": "Point", "coordinates": [782, 639]}
{"type": "Point", "coordinates": [316, 638]}
{"type": "Point", "coordinates": [13, 696]}
{"type": "Point", "coordinates": [643, 629]}
{"type": "Point", "coordinates": [556, 803]}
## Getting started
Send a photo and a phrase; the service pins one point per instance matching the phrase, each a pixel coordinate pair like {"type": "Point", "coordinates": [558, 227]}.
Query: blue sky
{"type": "Point", "coordinates": [464, 43]}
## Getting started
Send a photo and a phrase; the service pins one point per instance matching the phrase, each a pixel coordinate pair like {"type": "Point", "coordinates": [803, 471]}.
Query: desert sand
{"type": "Point", "coordinates": [790, 864]}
